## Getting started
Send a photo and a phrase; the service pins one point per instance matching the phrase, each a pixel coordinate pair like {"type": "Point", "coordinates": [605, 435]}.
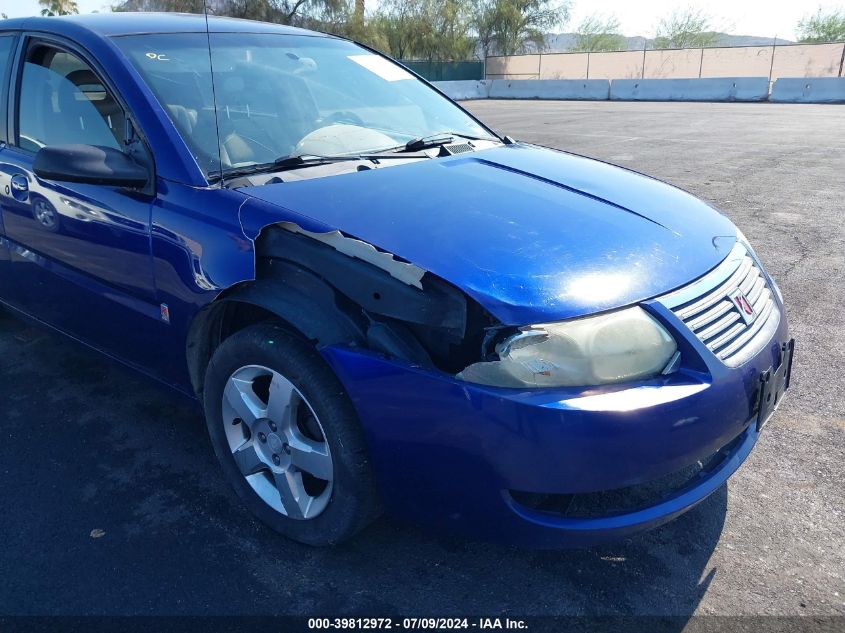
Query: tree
{"type": "Point", "coordinates": [180, 6]}
{"type": "Point", "coordinates": [300, 11]}
{"type": "Point", "coordinates": [279, 11]}
{"type": "Point", "coordinates": [427, 29]}
{"type": "Point", "coordinates": [402, 24]}
{"type": "Point", "coordinates": [348, 19]}
{"type": "Point", "coordinates": [514, 26]}
{"type": "Point", "coordinates": [599, 33]}
{"type": "Point", "coordinates": [686, 28]}
{"type": "Point", "coordinates": [483, 23]}
{"type": "Point", "coordinates": [452, 24]}
{"type": "Point", "coordinates": [822, 27]}
{"type": "Point", "coordinates": [58, 7]}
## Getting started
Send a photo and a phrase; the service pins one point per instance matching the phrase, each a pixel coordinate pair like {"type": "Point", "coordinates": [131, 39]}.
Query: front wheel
{"type": "Point", "coordinates": [287, 436]}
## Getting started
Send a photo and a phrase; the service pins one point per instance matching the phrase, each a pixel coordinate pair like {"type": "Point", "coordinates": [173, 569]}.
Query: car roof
{"type": "Point", "coordinates": [127, 23]}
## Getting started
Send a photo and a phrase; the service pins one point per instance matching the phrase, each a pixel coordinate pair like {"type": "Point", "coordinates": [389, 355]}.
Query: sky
{"type": "Point", "coordinates": [740, 17]}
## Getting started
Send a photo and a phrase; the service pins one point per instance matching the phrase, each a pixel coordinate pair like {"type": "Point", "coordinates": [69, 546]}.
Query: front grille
{"type": "Point", "coordinates": [706, 308]}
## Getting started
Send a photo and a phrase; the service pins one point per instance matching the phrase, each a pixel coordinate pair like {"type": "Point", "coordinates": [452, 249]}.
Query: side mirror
{"type": "Point", "coordinates": [89, 164]}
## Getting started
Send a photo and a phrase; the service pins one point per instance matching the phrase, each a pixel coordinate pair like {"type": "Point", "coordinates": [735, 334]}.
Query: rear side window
{"type": "Point", "coordinates": [62, 101]}
{"type": "Point", "coordinates": [6, 47]}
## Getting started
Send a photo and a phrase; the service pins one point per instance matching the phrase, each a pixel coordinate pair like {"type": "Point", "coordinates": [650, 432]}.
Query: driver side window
{"type": "Point", "coordinates": [62, 101]}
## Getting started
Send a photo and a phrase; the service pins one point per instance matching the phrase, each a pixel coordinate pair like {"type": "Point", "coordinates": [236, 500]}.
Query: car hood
{"type": "Point", "coordinates": [532, 234]}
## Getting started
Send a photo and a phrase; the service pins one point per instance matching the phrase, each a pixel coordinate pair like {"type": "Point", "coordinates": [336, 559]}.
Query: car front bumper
{"type": "Point", "coordinates": [456, 456]}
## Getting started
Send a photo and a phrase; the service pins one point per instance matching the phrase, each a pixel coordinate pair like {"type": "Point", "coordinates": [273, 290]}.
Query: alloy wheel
{"type": "Point", "coordinates": [277, 442]}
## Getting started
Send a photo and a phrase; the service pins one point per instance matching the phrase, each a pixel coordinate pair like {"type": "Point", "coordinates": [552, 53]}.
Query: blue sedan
{"type": "Point", "coordinates": [380, 304]}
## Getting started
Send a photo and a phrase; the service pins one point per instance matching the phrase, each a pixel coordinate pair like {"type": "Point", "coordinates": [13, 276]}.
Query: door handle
{"type": "Point", "coordinates": [20, 187]}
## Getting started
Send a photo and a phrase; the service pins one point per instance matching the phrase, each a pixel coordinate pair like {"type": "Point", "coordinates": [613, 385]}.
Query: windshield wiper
{"type": "Point", "coordinates": [288, 162]}
{"type": "Point", "coordinates": [247, 170]}
{"type": "Point", "coordinates": [432, 140]}
{"type": "Point", "coordinates": [296, 161]}
{"type": "Point", "coordinates": [293, 162]}
{"type": "Point", "coordinates": [438, 139]}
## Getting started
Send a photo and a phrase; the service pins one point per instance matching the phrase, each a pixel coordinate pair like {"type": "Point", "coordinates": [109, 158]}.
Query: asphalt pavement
{"type": "Point", "coordinates": [112, 502]}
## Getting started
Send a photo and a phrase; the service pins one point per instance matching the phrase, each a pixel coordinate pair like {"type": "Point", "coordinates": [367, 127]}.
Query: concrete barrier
{"type": "Point", "coordinates": [785, 90]}
{"type": "Point", "coordinates": [575, 89]}
{"type": "Point", "coordinates": [809, 90]}
{"type": "Point", "coordinates": [464, 90]}
{"type": "Point", "coordinates": [715, 89]}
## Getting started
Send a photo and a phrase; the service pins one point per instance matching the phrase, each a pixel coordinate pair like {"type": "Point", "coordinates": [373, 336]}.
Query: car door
{"type": "Point", "coordinates": [7, 43]}
{"type": "Point", "coordinates": [79, 254]}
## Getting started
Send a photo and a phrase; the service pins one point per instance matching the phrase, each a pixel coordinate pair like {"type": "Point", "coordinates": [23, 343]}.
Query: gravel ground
{"type": "Point", "coordinates": [114, 504]}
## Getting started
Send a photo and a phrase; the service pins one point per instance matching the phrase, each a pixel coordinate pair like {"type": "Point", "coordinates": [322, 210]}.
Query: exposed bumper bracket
{"type": "Point", "coordinates": [773, 384]}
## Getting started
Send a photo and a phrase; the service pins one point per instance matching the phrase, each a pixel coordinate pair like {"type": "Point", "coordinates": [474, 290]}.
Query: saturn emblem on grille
{"type": "Point", "coordinates": [746, 310]}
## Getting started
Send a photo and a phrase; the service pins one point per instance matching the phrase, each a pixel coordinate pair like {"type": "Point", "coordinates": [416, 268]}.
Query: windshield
{"type": "Point", "coordinates": [287, 95]}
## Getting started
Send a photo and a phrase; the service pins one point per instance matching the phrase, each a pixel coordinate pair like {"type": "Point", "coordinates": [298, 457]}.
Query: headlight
{"type": "Point", "coordinates": [613, 347]}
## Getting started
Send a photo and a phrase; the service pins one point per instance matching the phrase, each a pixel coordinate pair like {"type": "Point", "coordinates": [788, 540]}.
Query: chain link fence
{"type": "Point", "coordinates": [446, 71]}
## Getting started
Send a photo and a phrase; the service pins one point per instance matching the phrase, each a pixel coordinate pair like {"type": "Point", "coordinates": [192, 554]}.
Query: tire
{"type": "Point", "coordinates": [282, 446]}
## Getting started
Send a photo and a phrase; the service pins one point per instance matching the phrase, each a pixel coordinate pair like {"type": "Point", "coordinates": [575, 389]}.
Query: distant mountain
{"type": "Point", "coordinates": [563, 42]}
{"type": "Point", "coordinates": [725, 39]}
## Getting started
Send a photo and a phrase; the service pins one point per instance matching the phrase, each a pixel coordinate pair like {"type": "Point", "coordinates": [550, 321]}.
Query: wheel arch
{"type": "Point", "coordinates": [292, 296]}
{"type": "Point", "coordinates": [310, 284]}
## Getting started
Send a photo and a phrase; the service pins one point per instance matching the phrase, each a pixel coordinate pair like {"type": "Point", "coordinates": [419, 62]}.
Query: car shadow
{"type": "Point", "coordinates": [110, 478]}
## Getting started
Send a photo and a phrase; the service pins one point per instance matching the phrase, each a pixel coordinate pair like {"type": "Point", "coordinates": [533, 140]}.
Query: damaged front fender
{"type": "Point", "coordinates": [401, 309]}
{"type": "Point", "coordinates": [372, 285]}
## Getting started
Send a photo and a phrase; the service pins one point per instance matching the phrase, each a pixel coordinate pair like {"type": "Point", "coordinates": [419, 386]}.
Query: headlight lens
{"type": "Point", "coordinates": [609, 348]}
